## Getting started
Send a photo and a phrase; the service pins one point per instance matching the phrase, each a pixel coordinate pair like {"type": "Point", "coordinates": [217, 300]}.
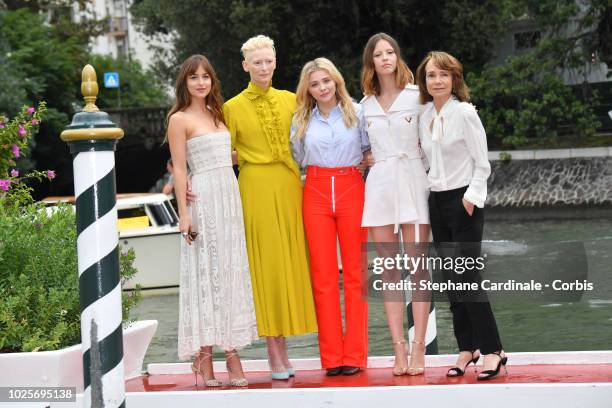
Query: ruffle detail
{"type": "Point", "coordinates": [268, 111]}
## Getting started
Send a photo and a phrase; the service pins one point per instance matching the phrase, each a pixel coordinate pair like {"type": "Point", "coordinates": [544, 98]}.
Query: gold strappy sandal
{"type": "Point", "coordinates": [400, 370]}
{"type": "Point", "coordinates": [196, 367]}
{"type": "Point", "coordinates": [234, 382]}
{"type": "Point", "coordinates": [416, 370]}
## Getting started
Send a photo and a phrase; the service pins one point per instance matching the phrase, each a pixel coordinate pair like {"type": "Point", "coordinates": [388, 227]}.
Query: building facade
{"type": "Point", "coordinates": [122, 39]}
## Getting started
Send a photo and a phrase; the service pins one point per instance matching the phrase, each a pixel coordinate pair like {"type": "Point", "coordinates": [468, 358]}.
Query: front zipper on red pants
{"type": "Point", "coordinates": [333, 197]}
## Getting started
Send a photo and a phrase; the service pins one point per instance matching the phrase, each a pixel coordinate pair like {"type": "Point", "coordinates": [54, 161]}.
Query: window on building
{"type": "Point", "coordinates": [121, 48]}
{"type": "Point", "coordinates": [163, 214]}
{"type": "Point", "coordinates": [526, 40]}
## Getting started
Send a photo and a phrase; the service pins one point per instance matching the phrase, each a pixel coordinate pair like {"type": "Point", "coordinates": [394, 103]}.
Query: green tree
{"type": "Point", "coordinates": [304, 30]}
{"type": "Point", "coordinates": [49, 65]}
{"type": "Point", "coordinates": [43, 61]}
{"type": "Point", "coordinates": [12, 94]}
{"type": "Point", "coordinates": [521, 100]}
{"type": "Point", "coordinates": [524, 101]}
{"type": "Point", "coordinates": [138, 87]}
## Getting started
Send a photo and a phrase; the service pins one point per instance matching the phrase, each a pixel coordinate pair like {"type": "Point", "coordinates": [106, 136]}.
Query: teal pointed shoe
{"type": "Point", "coordinates": [278, 375]}
{"type": "Point", "coordinates": [282, 375]}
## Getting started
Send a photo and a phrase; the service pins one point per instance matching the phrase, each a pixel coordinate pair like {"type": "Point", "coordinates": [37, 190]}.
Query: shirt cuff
{"type": "Point", "coordinates": [474, 198]}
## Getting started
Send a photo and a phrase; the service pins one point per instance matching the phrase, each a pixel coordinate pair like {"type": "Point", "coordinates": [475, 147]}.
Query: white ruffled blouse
{"type": "Point", "coordinates": [455, 144]}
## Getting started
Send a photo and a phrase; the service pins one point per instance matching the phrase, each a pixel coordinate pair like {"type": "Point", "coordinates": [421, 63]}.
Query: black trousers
{"type": "Point", "coordinates": [457, 234]}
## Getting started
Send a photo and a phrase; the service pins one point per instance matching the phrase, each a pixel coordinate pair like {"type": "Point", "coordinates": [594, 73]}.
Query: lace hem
{"type": "Point", "coordinates": [239, 339]}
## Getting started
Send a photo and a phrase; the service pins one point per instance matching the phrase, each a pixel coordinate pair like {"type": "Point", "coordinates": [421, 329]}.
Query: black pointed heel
{"type": "Point", "coordinates": [457, 372]}
{"type": "Point", "coordinates": [489, 374]}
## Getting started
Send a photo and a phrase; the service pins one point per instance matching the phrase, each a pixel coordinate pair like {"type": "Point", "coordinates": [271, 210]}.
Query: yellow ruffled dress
{"type": "Point", "coordinates": [271, 193]}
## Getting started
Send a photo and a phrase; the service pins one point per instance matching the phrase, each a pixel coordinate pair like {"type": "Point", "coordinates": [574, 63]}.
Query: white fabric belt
{"type": "Point", "coordinates": [412, 155]}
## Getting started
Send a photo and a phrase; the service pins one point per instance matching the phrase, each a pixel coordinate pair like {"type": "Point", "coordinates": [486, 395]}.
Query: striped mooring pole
{"type": "Point", "coordinates": [431, 334]}
{"type": "Point", "coordinates": [92, 137]}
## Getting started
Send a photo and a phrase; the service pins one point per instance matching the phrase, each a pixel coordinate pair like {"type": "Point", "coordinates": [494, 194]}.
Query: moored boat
{"type": "Point", "coordinates": [147, 223]}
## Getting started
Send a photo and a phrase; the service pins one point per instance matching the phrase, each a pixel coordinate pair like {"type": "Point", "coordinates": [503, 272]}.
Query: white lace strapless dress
{"type": "Point", "coordinates": [216, 296]}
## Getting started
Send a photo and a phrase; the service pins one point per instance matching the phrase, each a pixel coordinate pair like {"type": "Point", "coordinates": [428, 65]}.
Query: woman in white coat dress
{"type": "Point", "coordinates": [396, 188]}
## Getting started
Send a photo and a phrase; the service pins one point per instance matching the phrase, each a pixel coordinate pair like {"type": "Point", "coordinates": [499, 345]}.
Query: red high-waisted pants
{"type": "Point", "coordinates": [333, 207]}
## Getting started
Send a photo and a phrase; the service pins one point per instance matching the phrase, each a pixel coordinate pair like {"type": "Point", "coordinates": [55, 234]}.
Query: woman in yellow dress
{"type": "Point", "coordinates": [259, 119]}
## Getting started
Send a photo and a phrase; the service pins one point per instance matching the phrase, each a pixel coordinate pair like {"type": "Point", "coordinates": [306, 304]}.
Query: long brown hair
{"type": "Point", "coordinates": [369, 79]}
{"type": "Point", "coordinates": [213, 100]}
{"type": "Point", "coordinates": [306, 103]}
{"type": "Point", "coordinates": [447, 62]}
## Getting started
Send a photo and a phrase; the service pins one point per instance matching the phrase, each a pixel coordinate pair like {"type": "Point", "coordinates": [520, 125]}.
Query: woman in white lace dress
{"type": "Point", "coordinates": [216, 297]}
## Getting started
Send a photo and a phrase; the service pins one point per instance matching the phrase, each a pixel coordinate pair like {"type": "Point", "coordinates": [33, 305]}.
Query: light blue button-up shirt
{"type": "Point", "coordinates": [328, 143]}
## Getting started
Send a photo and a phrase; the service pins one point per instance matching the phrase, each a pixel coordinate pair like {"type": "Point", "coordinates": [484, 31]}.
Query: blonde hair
{"type": "Point", "coordinates": [369, 79]}
{"type": "Point", "coordinates": [447, 62]}
{"type": "Point", "coordinates": [256, 43]}
{"type": "Point", "coordinates": [305, 101]}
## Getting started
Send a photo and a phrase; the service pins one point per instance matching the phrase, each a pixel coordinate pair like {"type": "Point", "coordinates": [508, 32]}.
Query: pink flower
{"type": "Point", "coordinates": [50, 174]}
{"type": "Point", "coordinates": [14, 173]}
{"type": "Point", "coordinates": [35, 122]}
{"type": "Point", "coordinates": [16, 151]}
{"type": "Point", "coordinates": [31, 110]}
{"type": "Point", "coordinates": [5, 184]}
{"type": "Point", "coordinates": [1, 125]}
{"type": "Point", "coordinates": [22, 132]}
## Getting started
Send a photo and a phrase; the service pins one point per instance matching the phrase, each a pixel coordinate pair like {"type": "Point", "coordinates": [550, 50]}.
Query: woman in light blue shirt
{"type": "Point", "coordinates": [328, 140]}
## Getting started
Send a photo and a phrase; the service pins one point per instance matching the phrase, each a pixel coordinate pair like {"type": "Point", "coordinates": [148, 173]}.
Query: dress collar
{"type": "Point", "coordinates": [372, 106]}
{"type": "Point", "coordinates": [253, 91]}
{"type": "Point", "coordinates": [447, 108]}
{"type": "Point", "coordinates": [406, 100]}
{"type": "Point", "coordinates": [336, 111]}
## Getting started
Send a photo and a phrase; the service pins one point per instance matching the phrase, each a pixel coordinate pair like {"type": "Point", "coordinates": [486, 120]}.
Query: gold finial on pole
{"type": "Point", "coordinates": [91, 124]}
{"type": "Point", "coordinates": [89, 88]}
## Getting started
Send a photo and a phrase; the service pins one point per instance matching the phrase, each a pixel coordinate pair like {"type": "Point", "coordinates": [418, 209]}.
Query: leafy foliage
{"type": "Point", "coordinates": [521, 103]}
{"type": "Point", "coordinates": [48, 63]}
{"type": "Point", "coordinates": [39, 299]}
{"type": "Point", "coordinates": [14, 145]}
{"type": "Point", "coordinates": [42, 61]}
{"type": "Point", "coordinates": [523, 99]}
{"type": "Point", "coordinates": [139, 89]}
{"type": "Point", "coordinates": [40, 306]}
{"type": "Point", "coordinates": [304, 30]}
{"type": "Point", "coordinates": [39, 295]}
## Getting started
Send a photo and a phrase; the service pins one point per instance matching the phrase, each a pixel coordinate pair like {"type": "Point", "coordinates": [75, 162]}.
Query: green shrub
{"type": "Point", "coordinates": [39, 294]}
{"type": "Point", "coordinates": [15, 138]}
{"type": "Point", "coordinates": [505, 157]}
{"type": "Point", "coordinates": [524, 102]}
{"type": "Point", "coordinates": [39, 289]}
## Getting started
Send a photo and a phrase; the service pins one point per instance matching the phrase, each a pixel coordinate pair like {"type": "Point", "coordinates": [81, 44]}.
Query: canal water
{"type": "Point", "coordinates": [526, 323]}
